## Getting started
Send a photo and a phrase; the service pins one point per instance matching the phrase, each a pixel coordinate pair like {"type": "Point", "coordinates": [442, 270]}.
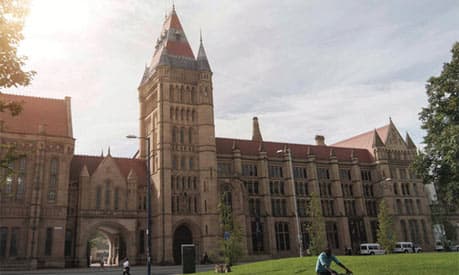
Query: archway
{"type": "Point", "coordinates": [182, 235]}
{"type": "Point", "coordinates": [105, 245]}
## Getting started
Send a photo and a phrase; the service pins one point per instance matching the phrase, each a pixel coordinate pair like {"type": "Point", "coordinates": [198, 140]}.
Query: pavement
{"type": "Point", "coordinates": [135, 270]}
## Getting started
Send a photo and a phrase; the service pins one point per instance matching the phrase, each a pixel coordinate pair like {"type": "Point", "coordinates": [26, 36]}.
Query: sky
{"type": "Point", "coordinates": [303, 67]}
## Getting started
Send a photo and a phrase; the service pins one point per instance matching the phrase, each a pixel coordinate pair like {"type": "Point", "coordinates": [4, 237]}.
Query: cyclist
{"type": "Point", "coordinates": [324, 261]}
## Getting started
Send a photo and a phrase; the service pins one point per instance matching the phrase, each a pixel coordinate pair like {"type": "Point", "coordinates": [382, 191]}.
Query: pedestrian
{"type": "Point", "coordinates": [324, 261]}
{"type": "Point", "coordinates": [126, 267]}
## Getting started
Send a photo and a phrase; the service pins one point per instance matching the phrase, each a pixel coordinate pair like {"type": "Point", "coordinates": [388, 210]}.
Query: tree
{"type": "Point", "coordinates": [439, 162]}
{"type": "Point", "coordinates": [12, 15]}
{"type": "Point", "coordinates": [316, 229]}
{"type": "Point", "coordinates": [385, 233]}
{"type": "Point", "coordinates": [232, 237]}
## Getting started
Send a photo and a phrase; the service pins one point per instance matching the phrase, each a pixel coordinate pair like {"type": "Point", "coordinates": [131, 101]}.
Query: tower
{"type": "Point", "coordinates": [176, 114]}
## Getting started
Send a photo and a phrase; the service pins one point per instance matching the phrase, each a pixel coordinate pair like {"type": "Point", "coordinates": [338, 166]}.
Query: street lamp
{"type": "Point", "coordinates": [292, 179]}
{"type": "Point", "coordinates": [148, 202]}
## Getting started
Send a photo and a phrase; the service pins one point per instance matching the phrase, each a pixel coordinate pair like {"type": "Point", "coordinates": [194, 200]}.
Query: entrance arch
{"type": "Point", "coordinates": [117, 237]}
{"type": "Point", "coordinates": [182, 235]}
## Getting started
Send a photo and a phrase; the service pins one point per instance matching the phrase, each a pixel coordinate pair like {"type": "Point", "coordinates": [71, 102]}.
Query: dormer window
{"type": "Point", "coordinates": [177, 35]}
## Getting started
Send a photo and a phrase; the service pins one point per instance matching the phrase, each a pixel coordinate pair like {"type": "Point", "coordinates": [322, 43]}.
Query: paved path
{"type": "Point", "coordinates": [135, 270]}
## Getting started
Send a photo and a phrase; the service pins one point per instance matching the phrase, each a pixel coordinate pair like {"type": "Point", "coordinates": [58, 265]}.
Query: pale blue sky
{"type": "Point", "coordinates": [336, 68]}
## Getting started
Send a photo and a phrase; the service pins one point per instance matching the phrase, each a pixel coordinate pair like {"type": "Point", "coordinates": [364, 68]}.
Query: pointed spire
{"type": "Point", "coordinates": [203, 63]}
{"type": "Point", "coordinates": [235, 145]}
{"type": "Point", "coordinates": [377, 142]}
{"type": "Point", "coordinates": [352, 154]}
{"type": "Point", "coordinates": [108, 153]}
{"type": "Point", "coordinates": [102, 152]}
{"type": "Point", "coordinates": [256, 133]}
{"type": "Point", "coordinates": [409, 142]}
{"type": "Point", "coordinates": [261, 147]}
{"type": "Point", "coordinates": [308, 151]}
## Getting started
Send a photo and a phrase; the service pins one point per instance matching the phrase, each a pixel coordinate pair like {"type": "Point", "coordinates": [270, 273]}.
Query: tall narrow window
{"type": "Point", "coordinates": [182, 135]}
{"type": "Point", "coordinates": [282, 236]}
{"type": "Point", "coordinates": [14, 242]}
{"type": "Point", "coordinates": [174, 135]}
{"type": "Point", "coordinates": [49, 241]}
{"type": "Point", "coordinates": [52, 188]}
{"type": "Point", "coordinates": [3, 238]}
{"type": "Point", "coordinates": [116, 199]}
{"type": "Point", "coordinates": [98, 196]}
{"type": "Point", "coordinates": [190, 135]}
{"type": "Point", "coordinates": [9, 178]}
{"type": "Point", "coordinates": [21, 179]}
{"type": "Point", "coordinates": [107, 195]}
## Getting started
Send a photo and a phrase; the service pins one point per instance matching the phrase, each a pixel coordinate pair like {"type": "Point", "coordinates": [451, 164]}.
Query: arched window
{"type": "Point", "coordinates": [187, 114]}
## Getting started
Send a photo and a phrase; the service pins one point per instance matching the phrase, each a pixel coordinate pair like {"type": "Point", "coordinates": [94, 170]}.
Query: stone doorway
{"type": "Point", "coordinates": [182, 235]}
{"type": "Point", "coordinates": [105, 246]}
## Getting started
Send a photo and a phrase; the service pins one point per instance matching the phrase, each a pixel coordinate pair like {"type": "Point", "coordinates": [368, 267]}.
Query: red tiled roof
{"type": "Point", "coordinates": [179, 48]}
{"type": "Point", "coordinates": [365, 140]}
{"type": "Point", "coordinates": [299, 151]}
{"type": "Point", "coordinates": [124, 164]}
{"type": "Point", "coordinates": [50, 112]}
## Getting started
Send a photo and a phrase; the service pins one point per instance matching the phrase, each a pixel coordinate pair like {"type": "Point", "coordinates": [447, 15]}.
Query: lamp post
{"type": "Point", "coordinates": [148, 202]}
{"type": "Point", "coordinates": [292, 179]}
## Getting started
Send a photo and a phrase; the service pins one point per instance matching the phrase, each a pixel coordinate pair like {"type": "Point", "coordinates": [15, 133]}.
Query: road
{"type": "Point", "coordinates": [135, 270]}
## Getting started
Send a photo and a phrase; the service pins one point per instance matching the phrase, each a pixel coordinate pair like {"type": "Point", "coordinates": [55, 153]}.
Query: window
{"type": "Point", "coordinates": [282, 236]}
{"type": "Point", "coordinates": [249, 170]}
{"type": "Point", "coordinates": [404, 231]}
{"type": "Point", "coordinates": [302, 206]}
{"type": "Point", "coordinates": [54, 167]}
{"type": "Point", "coordinates": [350, 208]}
{"type": "Point", "coordinates": [257, 236]}
{"type": "Point", "coordinates": [182, 163]}
{"type": "Point", "coordinates": [275, 171]}
{"type": "Point", "coordinates": [190, 135]}
{"type": "Point", "coordinates": [252, 187]}
{"type": "Point", "coordinates": [301, 189]}
{"type": "Point", "coordinates": [374, 229]}
{"type": "Point", "coordinates": [174, 162]}
{"type": "Point", "coordinates": [371, 208]}
{"type": "Point", "coordinates": [255, 207]}
{"type": "Point", "coordinates": [21, 179]}
{"type": "Point", "coordinates": [332, 234]}
{"type": "Point", "coordinates": [191, 163]}
{"type": "Point", "coordinates": [3, 239]}
{"type": "Point", "coordinates": [323, 173]}
{"type": "Point", "coordinates": [182, 135]}
{"type": "Point", "coordinates": [174, 135]}
{"type": "Point", "coordinates": [399, 207]}
{"type": "Point", "coordinates": [279, 207]}
{"type": "Point", "coordinates": [107, 195]}
{"type": "Point", "coordinates": [98, 196]}
{"type": "Point", "coordinates": [276, 187]}
{"type": "Point", "coordinates": [116, 198]}
{"type": "Point", "coordinates": [366, 175]}
{"type": "Point", "coordinates": [328, 208]}
{"type": "Point", "coordinates": [49, 241]}
{"type": "Point", "coordinates": [395, 188]}
{"type": "Point", "coordinates": [345, 175]}
{"type": "Point", "coordinates": [300, 172]}
{"type": "Point", "coordinates": [424, 232]}
{"type": "Point", "coordinates": [224, 169]}
{"type": "Point", "coordinates": [305, 234]}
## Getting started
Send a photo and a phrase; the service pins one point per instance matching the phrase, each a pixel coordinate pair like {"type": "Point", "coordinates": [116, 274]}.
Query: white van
{"type": "Point", "coordinates": [371, 249]}
{"type": "Point", "coordinates": [406, 247]}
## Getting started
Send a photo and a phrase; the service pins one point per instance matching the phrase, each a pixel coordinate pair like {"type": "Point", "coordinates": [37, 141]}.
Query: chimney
{"type": "Point", "coordinates": [320, 140]}
{"type": "Point", "coordinates": [256, 134]}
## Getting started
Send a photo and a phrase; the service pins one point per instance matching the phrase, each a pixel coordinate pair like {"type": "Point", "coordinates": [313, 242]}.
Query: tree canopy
{"type": "Point", "coordinates": [439, 163]}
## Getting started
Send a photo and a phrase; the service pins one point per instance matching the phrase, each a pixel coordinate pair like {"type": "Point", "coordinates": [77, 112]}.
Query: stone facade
{"type": "Point", "coordinates": [56, 201]}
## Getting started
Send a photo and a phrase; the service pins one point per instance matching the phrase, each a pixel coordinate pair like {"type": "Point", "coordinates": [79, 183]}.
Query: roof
{"type": "Point", "coordinates": [124, 164]}
{"type": "Point", "coordinates": [299, 151]}
{"type": "Point", "coordinates": [51, 115]}
{"type": "Point", "coordinates": [365, 140]}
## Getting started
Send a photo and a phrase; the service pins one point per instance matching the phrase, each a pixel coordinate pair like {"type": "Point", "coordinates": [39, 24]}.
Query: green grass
{"type": "Point", "coordinates": [393, 264]}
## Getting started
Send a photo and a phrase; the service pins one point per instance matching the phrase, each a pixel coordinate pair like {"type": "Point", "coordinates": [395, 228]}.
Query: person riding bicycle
{"type": "Point", "coordinates": [324, 261]}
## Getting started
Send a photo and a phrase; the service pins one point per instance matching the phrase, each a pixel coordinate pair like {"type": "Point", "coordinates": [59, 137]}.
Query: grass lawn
{"type": "Point", "coordinates": [393, 264]}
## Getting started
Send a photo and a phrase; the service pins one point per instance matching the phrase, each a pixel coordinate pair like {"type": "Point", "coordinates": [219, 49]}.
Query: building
{"type": "Point", "coordinates": [56, 201]}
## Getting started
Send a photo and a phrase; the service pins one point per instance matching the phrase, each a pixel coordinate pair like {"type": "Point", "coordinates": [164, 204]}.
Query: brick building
{"type": "Point", "coordinates": [57, 200]}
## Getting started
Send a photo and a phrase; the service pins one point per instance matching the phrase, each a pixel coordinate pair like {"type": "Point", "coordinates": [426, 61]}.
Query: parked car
{"type": "Point", "coordinates": [439, 246]}
{"type": "Point", "coordinates": [406, 247]}
{"type": "Point", "coordinates": [454, 248]}
{"type": "Point", "coordinates": [371, 249]}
